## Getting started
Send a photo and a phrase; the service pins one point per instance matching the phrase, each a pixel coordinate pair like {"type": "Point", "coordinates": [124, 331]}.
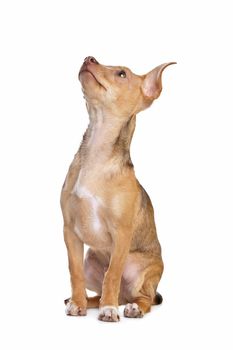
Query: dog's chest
{"type": "Point", "coordinates": [90, 223]}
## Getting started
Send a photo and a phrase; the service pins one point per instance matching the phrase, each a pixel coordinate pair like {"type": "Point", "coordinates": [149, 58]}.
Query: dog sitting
{"type": "Point", "coordinates": [103, 204]}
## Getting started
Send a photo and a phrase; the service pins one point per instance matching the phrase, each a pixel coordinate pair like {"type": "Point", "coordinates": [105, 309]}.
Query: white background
{"type": "Point", "coordinates": [182, 152]}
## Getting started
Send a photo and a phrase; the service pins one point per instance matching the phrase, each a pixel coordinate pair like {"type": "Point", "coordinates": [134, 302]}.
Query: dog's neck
{"type": "Point", "coordinates": [107, 137]}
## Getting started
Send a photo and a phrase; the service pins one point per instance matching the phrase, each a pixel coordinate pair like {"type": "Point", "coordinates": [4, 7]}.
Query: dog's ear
{"type": "Point", "coordinates": [152, 83]}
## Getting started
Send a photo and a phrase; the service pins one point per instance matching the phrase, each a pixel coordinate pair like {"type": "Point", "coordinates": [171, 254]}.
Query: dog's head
{"type": "Point", "coordinates": [117, 90]}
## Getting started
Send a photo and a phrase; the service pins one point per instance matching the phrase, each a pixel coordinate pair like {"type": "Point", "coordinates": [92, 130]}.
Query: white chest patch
{"type": "Point", "coordinates": [94, 202]}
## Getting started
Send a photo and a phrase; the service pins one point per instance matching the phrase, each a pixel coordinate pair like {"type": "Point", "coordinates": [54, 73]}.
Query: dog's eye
{"type": "Point", "coordinates": [122, 74]}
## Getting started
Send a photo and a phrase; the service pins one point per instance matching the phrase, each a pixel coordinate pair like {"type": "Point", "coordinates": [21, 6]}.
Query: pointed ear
{"type": "Point", "coordinates": [152, 84]}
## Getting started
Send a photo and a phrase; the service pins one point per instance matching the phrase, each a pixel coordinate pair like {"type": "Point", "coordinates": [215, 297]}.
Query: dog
{"type": "Point", "coordinates": [103, 204]}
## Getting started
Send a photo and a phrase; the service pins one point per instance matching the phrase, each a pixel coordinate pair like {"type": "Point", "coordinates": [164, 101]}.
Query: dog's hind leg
{"type": "Point", "coordinates": [92, 302]}
{"type": "Point", "coordinates": [140, 292]}
{"type": "Point", "coordinates": [95, 267]}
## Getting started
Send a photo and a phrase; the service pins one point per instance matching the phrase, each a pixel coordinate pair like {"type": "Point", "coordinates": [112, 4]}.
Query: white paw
{"type": "Point", "coordinates": [109, 314]}
{"type": "Point", "coordinates": [74, 310]}
{"type": "Point", "coordinates": [133, 311]}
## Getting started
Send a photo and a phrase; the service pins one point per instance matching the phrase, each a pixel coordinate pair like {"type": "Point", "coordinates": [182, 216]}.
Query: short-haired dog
{"type": "Point", "coordinates": [103, 204]}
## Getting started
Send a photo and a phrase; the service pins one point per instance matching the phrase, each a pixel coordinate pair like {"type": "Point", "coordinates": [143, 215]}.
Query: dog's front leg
{"type": "Point", "coordinates": [112, 279]}
{"type": "Point", "coordinates": [77, 305]}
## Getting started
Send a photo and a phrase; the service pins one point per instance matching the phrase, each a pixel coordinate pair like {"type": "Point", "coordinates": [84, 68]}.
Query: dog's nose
{"type": "Point", "coordinates": [90, 59]}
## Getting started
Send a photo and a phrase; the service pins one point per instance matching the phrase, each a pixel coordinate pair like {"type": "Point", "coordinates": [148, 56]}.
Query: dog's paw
{"type": "Point", "coordinates": [74, 310]}
{"type": "Point", "coordinates": [133, 311]}
{"type": "Point", "coordinates": [109, 314]}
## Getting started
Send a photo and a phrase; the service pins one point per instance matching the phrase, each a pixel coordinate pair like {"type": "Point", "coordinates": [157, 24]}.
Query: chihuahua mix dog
{"type": "Point", "coordinates": [103, 204]}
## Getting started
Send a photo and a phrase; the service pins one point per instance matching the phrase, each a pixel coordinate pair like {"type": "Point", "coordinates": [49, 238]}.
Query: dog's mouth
{"type": "Point", "coordinates": [86, 70]}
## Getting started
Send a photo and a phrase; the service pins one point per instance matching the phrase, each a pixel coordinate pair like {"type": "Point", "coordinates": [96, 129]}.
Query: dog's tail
{"type": "Point", "coordinates": [158, 299]}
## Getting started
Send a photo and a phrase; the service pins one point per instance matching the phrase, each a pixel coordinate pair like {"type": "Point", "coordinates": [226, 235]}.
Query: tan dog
{"type": "Point", "coordinates": [103, 204]}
